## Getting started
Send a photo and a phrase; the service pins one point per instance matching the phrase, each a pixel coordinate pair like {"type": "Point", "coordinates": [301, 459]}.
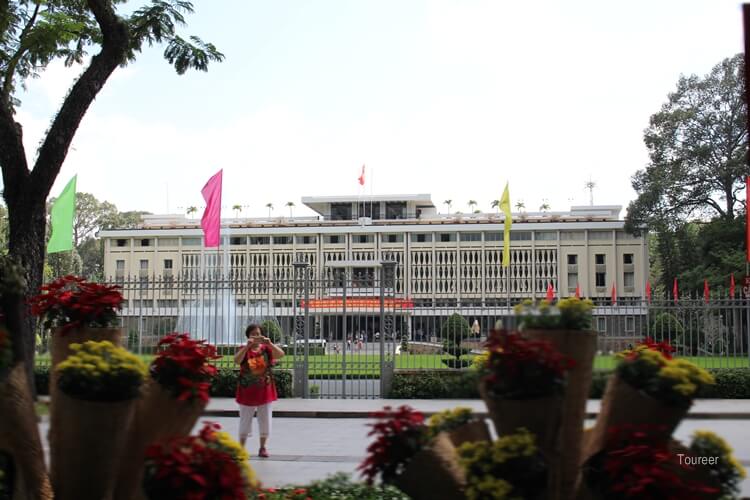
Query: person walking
{"type": "Point", "coordinates": [256, 389]}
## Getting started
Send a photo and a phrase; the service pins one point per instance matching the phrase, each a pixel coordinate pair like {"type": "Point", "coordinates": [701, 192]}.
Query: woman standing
{"type": "Point", "coordinates": [256, 389]}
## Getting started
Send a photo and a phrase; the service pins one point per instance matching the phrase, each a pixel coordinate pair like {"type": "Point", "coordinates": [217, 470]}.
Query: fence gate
{"type": "Point", "coordinates": [348, 327]}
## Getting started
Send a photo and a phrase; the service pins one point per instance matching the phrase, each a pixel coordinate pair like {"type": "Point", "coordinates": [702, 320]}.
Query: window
{"type": "Point", "coordinates": [259, 240]}
{"type": "Point", "coordinates": [572, 259]}
{"type": "Point", "coordinates": [363, 238]}
{"type": "Point", "coordinates": [144, 264]}
{"type": "Point", "coordinates": [627, 258]}
{"type": "Point", "coordinates": [493, 236]}
{"type": "Point", "coordinates": [600, 235]}
{"type": "Point", "coordinates": [572, 280]}
{"type": "Point", "coordinates": [238, 240]}
{"type": "Point", "coordinates": [599, 259]}
{"type": "Point", "coordinates": [166, 303]}
{"type": "Point", "coordinates": [191, 242]}
{"type": "Point", "coordinates": [421, 237]}
{"type": "Point", "coordinates": [145, 242]}
{"type": "Point", "coordinates": [572, 235]}
{"type": "Point", "coordinates": [601, 280]}
{"type": "Point", "coordinates": [282, 240]}
{"type": "Point", "coordinates": [333, 238]}
{"type": "Point", "coordinates": [395, 210]}
{"type": "Point", "coordinates": [628, 279]}
{"type": "Point", "coordinates": [371, 210]}
{"type": "Point", "coordinates": [392, 238]}
{"type": "Point", "coordinates": [341, 211]}
{"type": "Point", "coordinates": [120, 265]}
{"type": "Point", "coordinates": [167, 264]}
{"type": "Point", "coordinates": [121, 243]}
{"type": "Point", "coordinates": [446, 237]}
{"type": "Point", "coordinates": [546, 236]}
{"type": "Point", "coordinates": [168, 242]}
{"type": "Point", "coordinates": [307, 240]}
{"type": "Point", "coordinates": [601, 325]}
{"type": "Point", "coordinates": [471, 236]}
{"type": "Point", "coordinates": [520, 236]}
{"type": "Point", "coordinates": [629, 324]}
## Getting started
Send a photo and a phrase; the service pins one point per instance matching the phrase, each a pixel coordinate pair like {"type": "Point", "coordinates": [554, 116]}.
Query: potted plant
{"type": "Point", "coordinates": [174, 397]}
{"type": "Point", "coordinates": [98, 385]}
{"type": "Point", "coordinates": [648, 386]}
{"type": "Point", "coordinates": [723, 465]}
{"type": "Point", "coordinates": [209, 465]}
{"type": "Point", "coordinates": [460, 424]}
{"type": "Point", "coordinates": [404, 454]}
{"type": "Point", "coordinates": [567, 325]}
{"type": "Point", "coordinates": [510, 467]}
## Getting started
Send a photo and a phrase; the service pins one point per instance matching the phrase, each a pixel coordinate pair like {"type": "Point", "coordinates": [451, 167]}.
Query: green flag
{"type": "Point", "coordinates": [505, 207]}
{"type": "Point", "coordinates": [61, 218]}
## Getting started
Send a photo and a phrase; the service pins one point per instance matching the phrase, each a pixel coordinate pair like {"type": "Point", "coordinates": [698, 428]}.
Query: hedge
{"type": "Point", "coordinates": [223, 386]}
{"type": "Point", "coordinates": [731, 383]}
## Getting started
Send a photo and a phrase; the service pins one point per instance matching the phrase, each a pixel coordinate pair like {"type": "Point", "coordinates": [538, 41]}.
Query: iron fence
{"type": "Point", "coordinates": [346, 332]}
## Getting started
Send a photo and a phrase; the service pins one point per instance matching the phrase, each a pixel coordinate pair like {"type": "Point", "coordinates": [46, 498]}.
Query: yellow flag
{"type": "Point", "coordinates": [505, 207]}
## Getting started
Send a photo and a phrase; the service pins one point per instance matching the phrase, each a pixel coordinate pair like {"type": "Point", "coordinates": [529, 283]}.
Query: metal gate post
{"type": "Point", "coordinates": [387, 279]}
{"type": "Point", "coordinates": [300, 303]}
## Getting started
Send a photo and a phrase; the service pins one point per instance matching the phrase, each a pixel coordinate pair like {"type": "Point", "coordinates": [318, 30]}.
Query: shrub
{"type": "Point", "coordinates": [272, 330]}
{"type": "Point", "coordinates": [224, 384]}
{"type": "Point", "coordinates": [453, 331]}
{"type": "Point", "coordinates": [339, 486]}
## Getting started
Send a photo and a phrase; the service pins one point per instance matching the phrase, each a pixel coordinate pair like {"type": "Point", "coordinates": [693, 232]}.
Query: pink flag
{"type": "Point", "coordinates": [578, 291]}
{"type": "Point", "coordinates": [550, 292]}
{"type": "Point", "coordinates": [614, 294]}
{"type": "Point", "coordinates": [211, 220]}
{"type": "Point", "coordinates": [361, 177]}
{"type": "Point", "coordinates": [648, 291]}
{"type": "Point", "coordinates": [706, 291]}
{"type": "Point", "coordinates": [731, 287]}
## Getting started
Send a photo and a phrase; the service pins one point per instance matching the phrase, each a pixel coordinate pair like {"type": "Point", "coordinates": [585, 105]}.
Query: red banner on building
{"type": "Point", "coordinates": [358, 303]}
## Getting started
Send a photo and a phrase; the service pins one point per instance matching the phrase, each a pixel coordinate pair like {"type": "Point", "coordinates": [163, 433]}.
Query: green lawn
{"type": "Point", "coordinates": [369, 364]}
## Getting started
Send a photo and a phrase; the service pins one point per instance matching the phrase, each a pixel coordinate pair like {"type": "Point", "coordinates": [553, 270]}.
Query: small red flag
{"type": "Point", "coordinates": [675, 291]}
{"type": "Point", "coordinates": [614, 294]}
{"type": "Point", "coordinates": [731, 286]}
{"type": "Point", "coordinates": [550, 292]}
{"type": "Point", "coordinates": [361, 177]}
{"type": "Point", "coordinates": [578, 290]}
{"type": "Point", "coordinates": [706, 291]}
{"type": "Point", "coordinates": [648, 291]}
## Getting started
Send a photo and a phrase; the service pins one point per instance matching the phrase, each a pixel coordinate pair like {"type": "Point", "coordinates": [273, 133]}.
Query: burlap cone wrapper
{"type": "Point", "coordinates": [622, 404]}
{"type": "Point", "coordinates": [158, 416]}
{"type": "Point", "coordinates": [19, 436]}
{"type": "Point", "coordinates": [434, 473]}
{"type": "Point", "coordinates": [475, 430]}
{"type": "Point", "coordinates": [89, 447]}
{"type": "Point", "coordinates": [579, 345]}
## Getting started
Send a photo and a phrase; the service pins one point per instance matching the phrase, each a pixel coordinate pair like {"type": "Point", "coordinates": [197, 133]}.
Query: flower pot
{"type": "Point", "coordinates": [19, 436]}
{"type": "Point", "coordinates": [433, 472]}
{"type": "Point", "coordinates": [580, 345]}
{"type": "Point", "coordinates": [87, 453]}
{"type": "Point", "coordinates": [158, 415]}
{"type": "Point", "coordinates": [623, 404]}
{"type": "Point", "coordinates": [60, 342]}
{"type": "Point", "coordinates": [476, 430]}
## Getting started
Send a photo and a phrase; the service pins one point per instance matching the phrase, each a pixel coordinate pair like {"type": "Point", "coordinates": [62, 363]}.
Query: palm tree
{"type": "Point", "coordinates": [290, 204]}
{"type": "Point", "coordinates": [496, 204]}
{"type": "Point", "coordinates": [270, 207]}
{"type": "Point", "coordinates": [448, 203]}
{"type": "Point", "coordinates": [191, 211]}
{"type": "Point", "coordinates": [237, 209]}
{"type": "Point", "coordinates": [544, 206]}
{"type": "Point", "coordinates": [472, 204]}
{"type": "Point", "coordinates": [520, 206]}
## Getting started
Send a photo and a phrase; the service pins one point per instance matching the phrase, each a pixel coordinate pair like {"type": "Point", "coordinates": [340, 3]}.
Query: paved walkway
{"type": "Point", "coordinates": [730, 409]}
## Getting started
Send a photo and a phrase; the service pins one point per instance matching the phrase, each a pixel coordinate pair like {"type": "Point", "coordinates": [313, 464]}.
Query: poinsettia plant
{"type": "Point", "coordinates": [207, 466]}
{"type": "Point", "coordinates": [637, 463]}
{"type": "Point", "coordinates": [521, 368]}
{"type": "Point", "coordinates": [399, 435]}
{"type": "Point", "coordinates": [182, 365]}
{"type": "Point", "coordinates": [649, 367]}
{"type": "Point", "coordinates": [71, 302]}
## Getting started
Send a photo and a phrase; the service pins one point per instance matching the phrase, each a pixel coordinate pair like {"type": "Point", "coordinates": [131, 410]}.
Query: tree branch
{"type": "Point", "coordinates": [13, 62]}
{"type": "Point", "coordinates": [115, 39]}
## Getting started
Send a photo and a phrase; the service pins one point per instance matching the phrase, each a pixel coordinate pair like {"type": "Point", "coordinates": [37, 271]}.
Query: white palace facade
{"type": "Point", "coordinates": [443, 260]}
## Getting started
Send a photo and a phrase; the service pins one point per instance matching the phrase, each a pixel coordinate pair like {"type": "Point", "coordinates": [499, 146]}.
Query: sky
{"type": "Point", "coordinates": [450, 98]}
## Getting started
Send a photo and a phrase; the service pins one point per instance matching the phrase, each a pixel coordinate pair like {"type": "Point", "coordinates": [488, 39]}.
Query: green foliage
{"type": "Point", "coordinates": [567, 314]}
{"type": "Point", "coordinates": [272, 330]}
{"type": "Point", "coordinates": [339, 486]}
{"type": "Point", "coordinates": [727, 470]}
{"type": "Point", "coordinates": [453, 331]}
{"type": "Point", "coordinates": [224, 385]}
{"type": "Point", "coordinates": [455, 326]}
